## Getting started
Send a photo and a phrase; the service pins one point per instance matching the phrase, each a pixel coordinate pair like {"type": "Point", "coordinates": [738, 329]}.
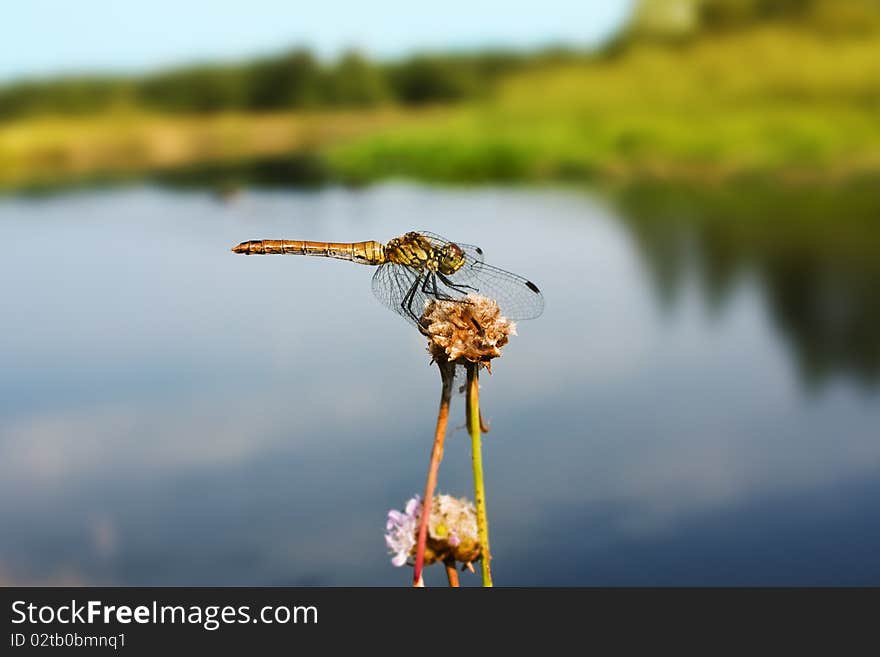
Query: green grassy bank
{"type": "Point", "coordinates": [773, 102]}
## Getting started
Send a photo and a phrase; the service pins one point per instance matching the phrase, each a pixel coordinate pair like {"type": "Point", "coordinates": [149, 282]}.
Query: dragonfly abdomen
{"type": "Point", "coordinates": [367, 253]}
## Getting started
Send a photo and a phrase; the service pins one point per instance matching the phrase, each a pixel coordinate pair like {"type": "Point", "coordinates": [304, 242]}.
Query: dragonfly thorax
{"type": "Point", "coordinates": [416, 251]}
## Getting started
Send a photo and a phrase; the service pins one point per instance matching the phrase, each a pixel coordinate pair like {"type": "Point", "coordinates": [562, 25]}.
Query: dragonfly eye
{"type": "Point", "coordinates": [450, 258]}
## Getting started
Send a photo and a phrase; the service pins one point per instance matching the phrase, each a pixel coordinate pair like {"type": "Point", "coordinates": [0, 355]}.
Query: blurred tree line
{"type": "Point", "coordinates": [293, 80]}
{"type": "Point", "coordinates": [298, 80]}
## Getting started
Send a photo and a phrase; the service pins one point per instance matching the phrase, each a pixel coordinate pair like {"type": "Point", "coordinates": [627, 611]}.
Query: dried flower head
{"type": "Point", "coordinates": [452, 531]}
{"type": "Point", "coordinates": [470, 329]}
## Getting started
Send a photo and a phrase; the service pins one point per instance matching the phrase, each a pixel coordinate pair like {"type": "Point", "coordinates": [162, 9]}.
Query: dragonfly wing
{"type": "Point", "coordinates": [391, 283]}
{"type": "Point", "coordinates": [407, 291]}
{"type": "Point", "coordinates": [517, 297]}
{"type": "Point", "coordinates": [472, 251]}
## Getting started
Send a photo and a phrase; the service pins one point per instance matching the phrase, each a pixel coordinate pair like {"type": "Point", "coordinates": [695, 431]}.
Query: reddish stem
{"type": "Point", "coordinates": [446, 376]}
{"type": "Point", "coordinates": [451, 573]}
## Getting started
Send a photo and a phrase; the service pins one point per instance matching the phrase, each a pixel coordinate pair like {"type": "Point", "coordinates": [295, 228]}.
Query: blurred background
{"type": "Point", "coordinates": [692, 183]}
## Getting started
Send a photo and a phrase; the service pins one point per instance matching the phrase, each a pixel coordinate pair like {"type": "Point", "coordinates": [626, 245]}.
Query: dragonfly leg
{"type": "Point", "coordinates": [435, 291]}
{"type": "Point", "coordinates": [409, 297]}
{"type": "Point", "coordinates": [458, 287]}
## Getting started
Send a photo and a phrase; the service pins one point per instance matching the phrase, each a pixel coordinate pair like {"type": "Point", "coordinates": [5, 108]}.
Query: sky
{"type": "Point", "coordinates": [50, 37]}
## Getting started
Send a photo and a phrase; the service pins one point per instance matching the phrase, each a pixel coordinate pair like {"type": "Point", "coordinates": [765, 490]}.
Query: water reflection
{"type": "Point", "coordinates": [173, 414]}
{"type": "Point", "coordinates": [815, 253]}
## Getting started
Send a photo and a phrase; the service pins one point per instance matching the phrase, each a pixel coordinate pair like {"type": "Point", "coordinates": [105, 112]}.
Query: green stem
{"type": "Point", "coordinates": [474, 428]}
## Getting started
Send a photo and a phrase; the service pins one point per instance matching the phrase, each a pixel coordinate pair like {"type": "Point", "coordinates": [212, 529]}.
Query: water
{"type": "Point", "coordinates": [698, 404]}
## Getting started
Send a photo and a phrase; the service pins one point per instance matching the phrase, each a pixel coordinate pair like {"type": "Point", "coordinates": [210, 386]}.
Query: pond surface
{"type": "Point", "coordinates": [699, 403]}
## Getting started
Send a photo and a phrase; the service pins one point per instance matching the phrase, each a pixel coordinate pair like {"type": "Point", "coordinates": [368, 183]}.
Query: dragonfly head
{"type": "Point", "coordinates": [450, 258]}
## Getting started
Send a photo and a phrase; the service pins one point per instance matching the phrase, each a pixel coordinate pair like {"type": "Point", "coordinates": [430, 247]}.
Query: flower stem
{"type": "Point", "coordinates": [447, 371]}
{"type": "Point", "coordinates": [451, 572]}
{"type": "Point", "coordinates": [474, 428]}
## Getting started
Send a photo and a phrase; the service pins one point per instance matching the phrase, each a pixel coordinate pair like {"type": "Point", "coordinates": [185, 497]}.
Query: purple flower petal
{"type": "Point", "coordinates": [413, 506]}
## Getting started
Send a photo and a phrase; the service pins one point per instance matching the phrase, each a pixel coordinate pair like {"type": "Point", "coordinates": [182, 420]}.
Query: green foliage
{"type": "Point", "coordinates": [69, 96]}
{"type": "Point", "coordinates": [355, 82]}
{"type": "Point", "coordinates": [683, 18]}
{"type": "Point", "coordinates": [291, 80]}
{"type": "Point", "coordinates": [425, 79]}
{"type": "Point", "coordinates": [725, 13]}
{"type": "Point", "coordinates": [432, 78]}
{"type": "Point", "coordinates": [200, 89]}
{"type": "Point", "coordinates": [296, 79]}
{"type": "Point", "coordinates": [775, 101]}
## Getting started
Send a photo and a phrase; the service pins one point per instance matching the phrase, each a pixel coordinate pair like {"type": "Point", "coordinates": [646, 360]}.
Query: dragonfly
{"type": "Point", "coordinates": [417, 267]}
